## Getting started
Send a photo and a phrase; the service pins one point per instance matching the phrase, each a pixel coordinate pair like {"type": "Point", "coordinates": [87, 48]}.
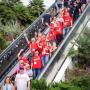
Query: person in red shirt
{"type": "Point", "coordinates": [36, 64]}
{"type": "Point", "coordinates": [61, 27]}
{"type": "Point", "coordinates": [43, 40]}
{"type": "Point", "coordinates": [52, 39]}
{"type": "Point", "coordinates": [54, 27]}
{"type": "Point", "coordinates": [67, 23]}
{"type": "Point", "coordinates": [51, 26]}
{"type": "Point", "coordinates": [24, 57]}
{"type": "Point", "coordinates": [22, 61]}
{"type": "Point", "coordinates": [46, 52]}
{"type": "Point", "coordinates": [67, 20]}
{"type": "Point", "coordinates": [31, 45]}
{"type": "Point", "coordinates": [40, 46]}
{"type": "Point", "coordinates": [58, 29]}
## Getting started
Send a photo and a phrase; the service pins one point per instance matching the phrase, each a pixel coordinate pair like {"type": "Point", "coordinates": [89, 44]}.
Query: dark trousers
{"type": "Point", "coordinates": [59, 38]}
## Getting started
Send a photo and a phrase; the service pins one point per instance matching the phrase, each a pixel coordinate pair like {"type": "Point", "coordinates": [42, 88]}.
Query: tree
{"type": "Point", "coordinates": [36, 7]}
{"type": "Point", "coordinates": [18, 12]}
{"type": "Point", "coordinates": [6, 13]}
{"type": "Point", "coordinates": [82, 54]}
{"type": "Point", "coordinates": [22, 14]}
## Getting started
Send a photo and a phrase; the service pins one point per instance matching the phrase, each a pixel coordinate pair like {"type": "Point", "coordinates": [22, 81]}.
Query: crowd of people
{"type": "Point", "coordinates": [42, 46]}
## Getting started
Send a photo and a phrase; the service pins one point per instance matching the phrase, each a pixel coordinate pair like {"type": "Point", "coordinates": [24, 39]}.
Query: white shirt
{"type": "Point", "coordinates": [21, 81]}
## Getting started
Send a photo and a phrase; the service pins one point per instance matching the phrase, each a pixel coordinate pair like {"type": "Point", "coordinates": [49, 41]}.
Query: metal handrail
{"type": "Point", "coordinates": [63, 43]}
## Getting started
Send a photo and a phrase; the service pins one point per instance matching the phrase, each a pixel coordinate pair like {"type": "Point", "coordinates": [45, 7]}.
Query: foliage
{"type": "Point", "coordinates": [14, 13]}
{"type": "Point", "coordinates": [73, 52]}
{"type": "Point", "coordinates": [79, 83]}
{"type": "Point", "coordinates": [6, 13]}
{"type": "Point", "coordinates": [36, 7]}
{"type": "Point", "coordinates": [64, 86]}
{"type": "Point", "coordinates": [84, 50]}
{"type": "Point", "coordinates": [11, 30]}
{"type": "Point", "coordinates": [83, 82]}
{"type": "Point", "coordinates": [82, 54]}
{"type": "Point", "coordinates": [39, 85]}
{"type": "Point", "coordinates": [22, 14]}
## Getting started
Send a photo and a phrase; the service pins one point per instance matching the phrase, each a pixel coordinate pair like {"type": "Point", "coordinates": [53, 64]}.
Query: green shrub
{"type": "Point", "coordinates": [39, 85]}
{"type": "Point", "coordinates": [79, 83]}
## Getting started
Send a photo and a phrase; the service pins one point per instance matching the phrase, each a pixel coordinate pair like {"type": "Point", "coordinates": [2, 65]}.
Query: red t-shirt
{"type": "Point", "coordinates": [54, 33]}
{"type": "Point", "coordinates": [43, 38]}
{"type": "Point", "coordinates": [40, 47]}
{"type": "Point", "coordinates": [32, 47]}
{"type": "Point", "coordinates": [43, 41]}
{"type": "Point", "coordinates": [67, 20]}
{"type": "Point", "coordinates": [57, 31]}
{"type": "Point", "coordinates": [36, 62]}
{"type": "Point", "coordinates": [46, 50]}
{"type": "Point", "coordinates": [51, 36]}
{"type": "Point", "coordinates": [24, 58]}
{"type": "Point", "coordinates": [60, 27]}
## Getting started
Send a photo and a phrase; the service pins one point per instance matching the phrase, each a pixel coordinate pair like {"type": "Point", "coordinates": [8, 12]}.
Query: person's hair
{"type": "Point", "coordinates": [6, 79]}
{"type": "Point", "coordinates": [21, 68]}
